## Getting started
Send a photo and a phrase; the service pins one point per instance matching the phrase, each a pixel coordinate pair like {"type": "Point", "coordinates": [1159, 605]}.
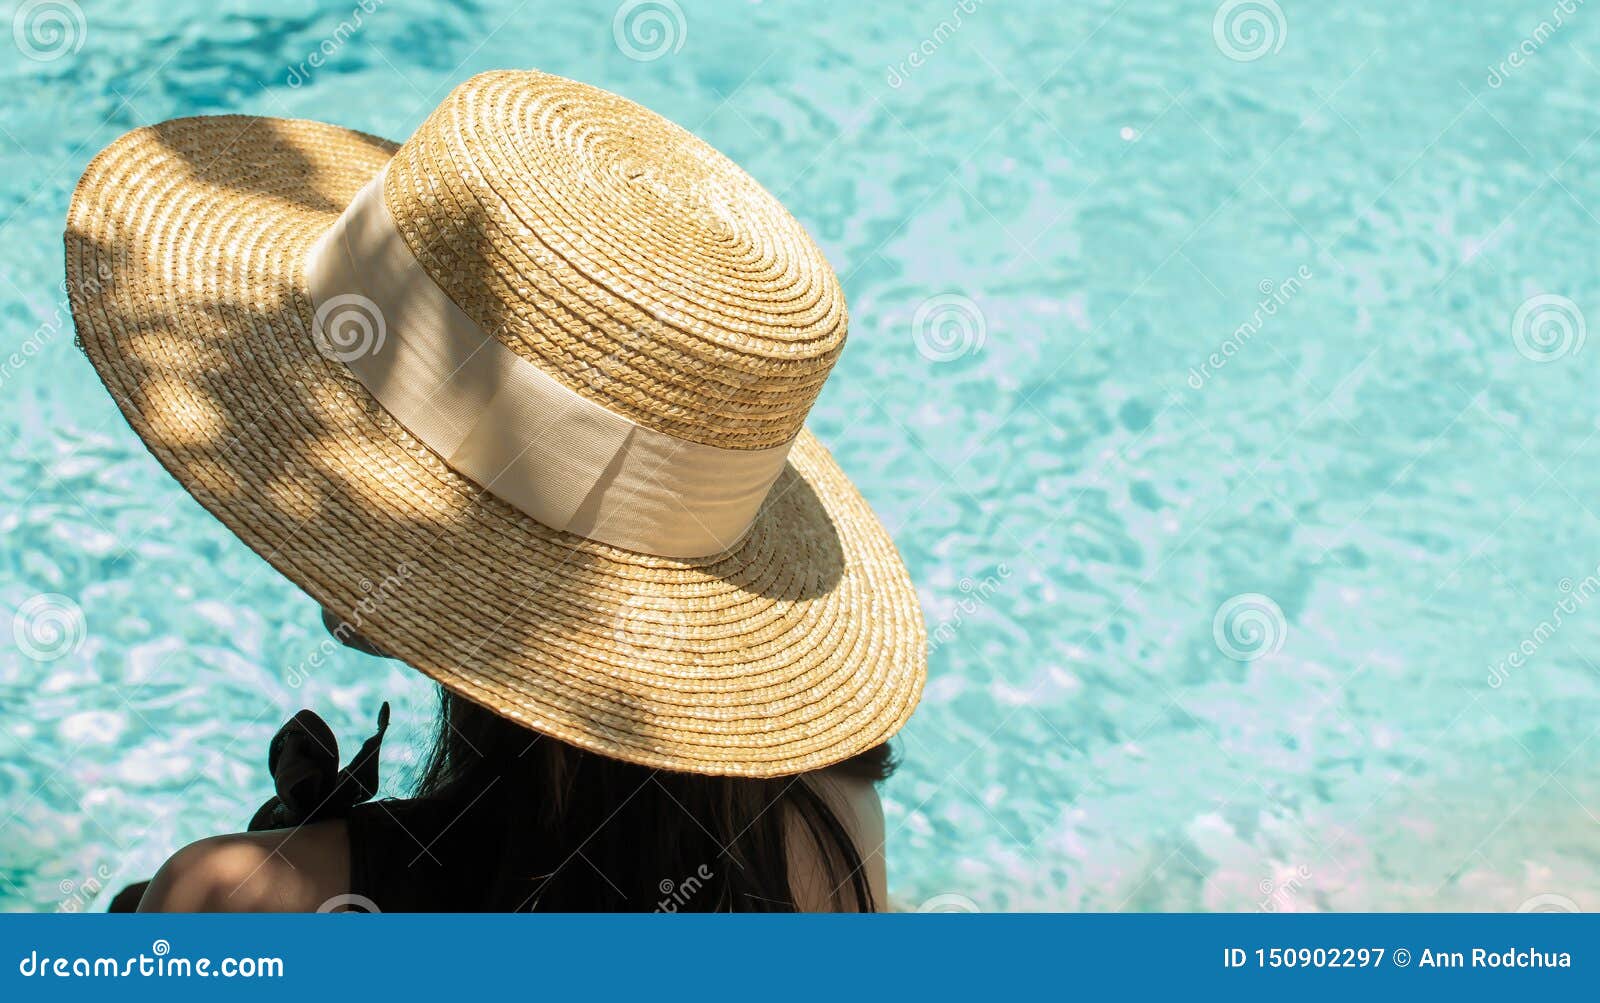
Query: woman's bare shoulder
{"type": "Point", "coordinates": [854, 801]}
{"type": "Point", "coordinates": [279, 870]}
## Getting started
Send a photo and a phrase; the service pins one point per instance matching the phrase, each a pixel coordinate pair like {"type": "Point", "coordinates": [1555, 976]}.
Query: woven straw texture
{"type": "Point", "coordinates": [560, 218]}
{"type": "Point", "coordinates": [626, 257]}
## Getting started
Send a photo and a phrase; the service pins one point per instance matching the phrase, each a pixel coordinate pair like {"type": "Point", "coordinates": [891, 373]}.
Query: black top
{"type": "Point", "coordinates": [405, 856]}
{"type": "Point", "coordinates": [417, 856]}
{"type": "Point", "coordinates": [450, 853]}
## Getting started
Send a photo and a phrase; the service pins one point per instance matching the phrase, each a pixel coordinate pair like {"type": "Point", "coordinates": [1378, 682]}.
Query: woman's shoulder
{"type": "Point", "coordinates": [277, 870]}
{"type": "Point", "coordinates": [854, 801]}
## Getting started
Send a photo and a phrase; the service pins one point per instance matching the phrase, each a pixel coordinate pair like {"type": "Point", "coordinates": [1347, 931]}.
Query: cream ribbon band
{"type": "Point", "coordinates": [506, 424]}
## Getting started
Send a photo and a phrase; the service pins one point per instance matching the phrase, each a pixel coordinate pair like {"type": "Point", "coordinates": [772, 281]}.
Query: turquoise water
{"type": "Point", "coordinates": [1218, 370]}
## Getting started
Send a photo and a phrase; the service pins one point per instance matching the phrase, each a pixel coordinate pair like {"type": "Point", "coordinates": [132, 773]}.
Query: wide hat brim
{"type": "Point", "coordinates": [798, 648]}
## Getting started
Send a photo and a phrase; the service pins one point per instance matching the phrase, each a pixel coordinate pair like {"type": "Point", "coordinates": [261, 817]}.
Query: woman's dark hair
{"type": "Point", "coordinates": [568, 830]}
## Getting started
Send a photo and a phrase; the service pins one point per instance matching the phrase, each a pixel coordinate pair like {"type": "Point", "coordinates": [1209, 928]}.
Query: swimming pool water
{"type": "Point", "coordinates": [1219, 370]}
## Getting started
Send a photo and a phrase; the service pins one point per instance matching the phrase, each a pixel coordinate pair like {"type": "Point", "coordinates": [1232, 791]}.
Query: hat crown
{"type": "Point", "coordinates": [622, 255]}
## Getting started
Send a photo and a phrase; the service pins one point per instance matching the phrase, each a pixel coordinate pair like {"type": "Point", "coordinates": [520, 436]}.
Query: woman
{"type": "Point", "coordinates": [506, 820]}
{"type": "Point", "coordinates": [520, 403]}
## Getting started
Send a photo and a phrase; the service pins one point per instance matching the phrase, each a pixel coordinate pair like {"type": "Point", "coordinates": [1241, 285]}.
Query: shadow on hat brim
{"type": "Point", "coordinates": [798, 648]}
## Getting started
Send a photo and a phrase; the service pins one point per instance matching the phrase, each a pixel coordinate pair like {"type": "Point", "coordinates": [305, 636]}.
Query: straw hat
{"type": "Point", "coordinates": [522, 399]}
